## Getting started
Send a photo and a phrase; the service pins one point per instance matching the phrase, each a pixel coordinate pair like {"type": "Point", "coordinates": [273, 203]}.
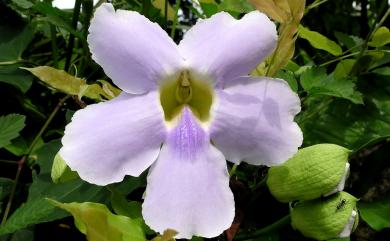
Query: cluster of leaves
{"type": "Point", "coordinates": [339, 69]}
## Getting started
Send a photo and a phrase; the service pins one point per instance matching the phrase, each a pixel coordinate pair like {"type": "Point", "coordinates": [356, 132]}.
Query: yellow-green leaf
{"type": "Point", "coordinates": [97, 222]}
{"type": "Point", "coordinates": [168, 235]}
{"type": "Point", "coordinates": [60, 172]}
{"type": "Point", "coordinates": [160, 4]}
{"type": "Point", "coordinates": [319, 41]}
{"type": "Point", "coordinates": [68, 84]}
{"type": "Point", "coordinates": [380, 38]}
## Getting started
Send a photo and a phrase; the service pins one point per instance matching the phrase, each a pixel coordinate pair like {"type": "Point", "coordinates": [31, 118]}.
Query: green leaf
{"type": "Point", "coordinates": [60, 172]}
{"type": "Point", "coordinates": [10, 126]}
{"type": "Point", "coordinates": [319, 41]}
{"type": "Point", "coordinates": [377, 213]}
{"type": "Point", "coordinates": [23, 3]}
{"type": "Point", "coordinates": [97, 222]}
{"type": "Point", "coordinates": [311, 173]}
{"type": "Point", "coordinates": [68, 84]}
{"type": "Point", "coordinates": [13, 75]}
{"type": "Point", "coordinates": [5, 187]}
{"type": "Point", "coordinates": [341, 122]}
{"type": "Point", "coordinates": [13, 49]}
{"type": "Point", "coordinates": [42, 188]}
{"type": "Point", "coordinates": [380, 38]}
{"type": "Point", "coordinates": [316, 82]}
{"type": "Point", "coordinates": [346, 40]}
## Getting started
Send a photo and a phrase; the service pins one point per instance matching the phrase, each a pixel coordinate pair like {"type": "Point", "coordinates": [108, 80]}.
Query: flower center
{"type": "Point", "coordinates": [186, 91]}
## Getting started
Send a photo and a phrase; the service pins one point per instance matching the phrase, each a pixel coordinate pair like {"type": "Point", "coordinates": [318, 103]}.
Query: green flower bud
{"type": "Point", "coordinates": [314, 171]}
{"type": "Point", "coordinates": [322, 219]}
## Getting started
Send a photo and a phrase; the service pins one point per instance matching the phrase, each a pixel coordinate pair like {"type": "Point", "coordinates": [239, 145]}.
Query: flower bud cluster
{"type": "Point", "coordinates": [312, 182]}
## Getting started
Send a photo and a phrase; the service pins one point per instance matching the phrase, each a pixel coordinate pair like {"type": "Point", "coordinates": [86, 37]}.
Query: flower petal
{"type": "Point", "coordinates": [106, 141]}
{"type": "Point", "coordinates": [254, 121]}
{"type": "Point", "coordinates": [134, 52]}
{"type": "Point", "coordinates": [188, 186]}
{"type": "Point", "coordinates": [225, 48]}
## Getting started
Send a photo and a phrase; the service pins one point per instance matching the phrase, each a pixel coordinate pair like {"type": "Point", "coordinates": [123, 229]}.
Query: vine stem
{"type": "Point", "coordinates": [268, 229]}
{"type": "Point", "coordinates": [369, 36]}
{"type": "Point", "coordinates": [25, 156]}
{"type": "Point", "coordinates": [75, 19]}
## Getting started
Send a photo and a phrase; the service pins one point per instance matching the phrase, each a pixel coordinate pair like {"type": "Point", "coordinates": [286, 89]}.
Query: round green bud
{"type": "Point", "coordinates": [314, 171]}
{"type": "Point", "coordinates": [327, 218]}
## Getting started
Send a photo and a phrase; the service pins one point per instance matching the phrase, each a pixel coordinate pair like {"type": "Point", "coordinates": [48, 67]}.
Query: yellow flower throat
{"type": "Point", "coordinates": [183, 91]}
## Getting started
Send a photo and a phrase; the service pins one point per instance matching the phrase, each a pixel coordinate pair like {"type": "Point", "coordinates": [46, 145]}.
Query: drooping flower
{"type": "Point", "coordinates": [184, 110]}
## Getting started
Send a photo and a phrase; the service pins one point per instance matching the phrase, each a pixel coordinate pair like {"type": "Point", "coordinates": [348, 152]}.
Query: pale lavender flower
{"type": "Point", "coordinates": [184, 110]}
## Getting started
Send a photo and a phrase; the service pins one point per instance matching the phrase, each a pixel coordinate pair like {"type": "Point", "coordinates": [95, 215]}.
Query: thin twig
{"type": "Point", "coordinates": [24, 157]}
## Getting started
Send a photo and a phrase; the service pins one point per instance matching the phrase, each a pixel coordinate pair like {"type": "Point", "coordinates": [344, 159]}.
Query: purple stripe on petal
{"type": "Point", "coordinates": [188, 186]}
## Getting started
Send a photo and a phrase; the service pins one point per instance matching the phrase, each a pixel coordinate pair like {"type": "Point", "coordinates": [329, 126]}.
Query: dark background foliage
{"type": "Point", "coordinates": [355, 115]}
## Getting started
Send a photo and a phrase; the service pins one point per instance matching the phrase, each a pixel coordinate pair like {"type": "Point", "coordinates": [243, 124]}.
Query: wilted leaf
{"type": "Point", "coordinates": [380, 38]}
{"type": "Point", "coordinates": [10, 126]}
{"type": "Point", "coordinates": [275, 9]}
{"type": "Point", "coordinates": [377, 213]}
{"type": "Point", "coordinates": [97, 222]}
{"type": "Point", "coordinates": [68, 84]}
{"type": "Point", "coordinates": [319, 41]}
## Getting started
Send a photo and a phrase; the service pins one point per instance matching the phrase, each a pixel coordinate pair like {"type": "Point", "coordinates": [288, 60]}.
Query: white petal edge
{"type": "Point", "coordinates": [254, 121]}
{"type": "Point", "coordinates": [134, 52]}
{"type": "Point", "coordinates": [349, 226]}
{"type": "Point", "coordinates": [224, 48]}
{"type": "Point", "coordinates": [188, 186]}
{"type": "Point", "coordinates": [106, 141]}
{"type": "Point", "coordinates": [340, 186]}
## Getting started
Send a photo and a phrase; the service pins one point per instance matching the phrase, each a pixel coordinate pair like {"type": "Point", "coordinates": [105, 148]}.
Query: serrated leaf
{"type": "Point", "coordinates": [36, 209]}
{"type": "Point", "coordinates": [380, 38]}
{"type": "Point", "coordinates": [97, 222]}
{"type": "Point", "coordinates": [316, 82]}
{"type": "Point", "coordinates": [60, 172]}
{"type": "Point", "coordinates": [66, 83]}
{"type": "Point", "coordinates": [319, 41]}
{"type": "Point", "coordinates": [353, 126]}
{"type": "Point", "coordinates": [10, 126]}
{"type": "Point", "coordinates": [377, 213]}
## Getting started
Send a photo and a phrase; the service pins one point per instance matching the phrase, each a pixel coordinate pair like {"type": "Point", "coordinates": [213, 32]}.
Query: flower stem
{"type": "Point", "coordinates": [24, 157]}
{"type": "Point", "coordinates": [173, 30]}
{"type": "Point", "coordinates": [268, 229]}
{"type": "Point", "coordinates": [75, 19]}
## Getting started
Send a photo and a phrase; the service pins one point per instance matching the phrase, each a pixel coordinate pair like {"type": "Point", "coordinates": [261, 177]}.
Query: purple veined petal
{"type": "Point", "coordinates": [106, 141]}
{"type": "Point", "coordinates": [254, 121]}
{"type": "Point", "coordinates": [224, 48]}
{"type": "Point", "coordinates": [188, 186]}
{"type": "Point", "coordinates": [134, 52]}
